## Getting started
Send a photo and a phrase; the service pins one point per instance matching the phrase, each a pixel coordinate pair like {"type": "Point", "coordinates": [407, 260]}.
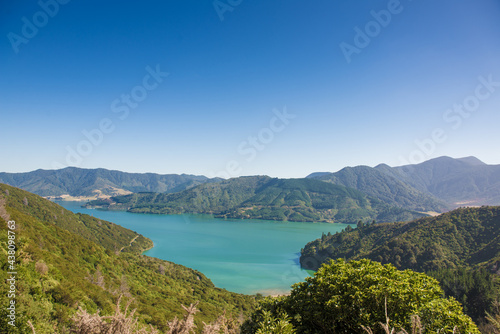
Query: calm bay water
{"type": "Point", "coordinates": [245, 256]}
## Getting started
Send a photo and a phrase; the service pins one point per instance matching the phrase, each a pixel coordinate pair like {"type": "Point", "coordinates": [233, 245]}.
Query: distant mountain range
{"type": "Point", "coordinates": [466, 181]}
{"type": "Point", "coordinates": [98, 182]}
{"type": "Point", "coordinates": [263, 197]}
{"type": "Point", "coordinates": [435, 185]}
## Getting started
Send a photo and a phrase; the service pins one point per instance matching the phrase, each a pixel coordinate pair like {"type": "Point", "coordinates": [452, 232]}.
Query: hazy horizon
{"type": "Point", "coordinates": [318, 171]}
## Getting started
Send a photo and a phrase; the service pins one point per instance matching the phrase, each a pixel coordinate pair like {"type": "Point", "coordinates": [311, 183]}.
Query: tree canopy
{"type": "Point", "coordinates": [344, 296]}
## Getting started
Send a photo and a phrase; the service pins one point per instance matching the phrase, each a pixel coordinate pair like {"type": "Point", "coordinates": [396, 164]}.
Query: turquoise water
{"type": "Point", "coordinates": [246, 256]}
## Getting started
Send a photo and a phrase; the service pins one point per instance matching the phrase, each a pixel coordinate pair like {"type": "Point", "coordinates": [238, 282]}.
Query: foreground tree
{"type": "Point", "coordinates": [344, 297]}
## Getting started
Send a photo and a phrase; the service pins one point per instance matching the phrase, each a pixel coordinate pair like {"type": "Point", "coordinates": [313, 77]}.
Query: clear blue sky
{"type": "Point", "coordinates": [350, 84]}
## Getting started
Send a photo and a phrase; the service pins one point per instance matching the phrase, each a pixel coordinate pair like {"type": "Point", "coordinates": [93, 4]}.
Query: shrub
{"type": "Point", "coordinates": [344, 296]}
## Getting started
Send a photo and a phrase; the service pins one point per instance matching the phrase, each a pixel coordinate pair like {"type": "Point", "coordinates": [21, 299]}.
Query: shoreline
{"type": "Point", "coordinates": [69, 198]}
{"type": "Point", "coordinates": [270, 290]}
{"type": "Point", "coordinates": [216, 216]}
{"type": "Point", "coordinates": [272, 293]}
{"type": "Point", "coordinates": [147, 249]}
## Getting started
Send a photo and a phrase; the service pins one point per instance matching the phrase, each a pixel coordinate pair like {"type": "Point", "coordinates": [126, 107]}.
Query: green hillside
{"type": "Point", "coordinates": [104, 233]}
{"type": "Point", "coordinates": [436, 185]}
{"type": "Point", "coordinates": [461, 248]}
{"type": "Point", "coordinates": [262, 197]}
{"type": "Point", "coordinates": [65, 260]}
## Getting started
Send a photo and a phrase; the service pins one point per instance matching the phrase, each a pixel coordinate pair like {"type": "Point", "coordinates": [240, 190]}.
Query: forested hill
{"type": "Point", "coordinates": [106, 234]}
{"type": "Point", "coordinates": [262, 197]}
{"type": "Point", "coordinates": [65, 260]}
{"type": "Point", "coordinates": [385, 187]}
{"type": "Point", "coordinates": [434, 185]}
{"type": "Point", "coordinates": [97, 182]}
{"type": "Point", "coordinates": [465, 237]}
{"type": "Point", "coordinates": [460, 248]}
{"type": "Point", "coordinates": [437, 185]}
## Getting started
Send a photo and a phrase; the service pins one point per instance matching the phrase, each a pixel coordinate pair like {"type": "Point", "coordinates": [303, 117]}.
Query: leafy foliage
{"type": "Point", "coordinates": [344, 296]}
{"type": "Point", "coordinates": [272, 325]}
{"type": "Point", "coordinates": [475, 289]}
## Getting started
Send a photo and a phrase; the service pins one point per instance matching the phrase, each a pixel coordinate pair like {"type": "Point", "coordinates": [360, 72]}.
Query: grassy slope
{"type": "Point", "coordinates": [76, 248]}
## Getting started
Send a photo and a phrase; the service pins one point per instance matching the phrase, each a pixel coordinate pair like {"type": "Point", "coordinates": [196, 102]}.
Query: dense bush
{"type": "Point", "coordinates": [459, 248]}
{"type": "Point", "coordinates": [344, 296]}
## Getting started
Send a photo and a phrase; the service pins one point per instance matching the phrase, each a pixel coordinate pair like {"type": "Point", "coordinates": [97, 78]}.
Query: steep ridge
{"type": "Point", "coordinates": [438, 184]}
{"type": "Point", "coordinates": [385, 187]}
{"type": "Point", "coordinates": [65, 260]}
